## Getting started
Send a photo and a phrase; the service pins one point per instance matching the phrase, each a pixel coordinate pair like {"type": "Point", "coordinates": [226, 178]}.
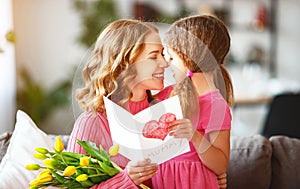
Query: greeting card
{"type": "Point", "coordinates": [145, 134]}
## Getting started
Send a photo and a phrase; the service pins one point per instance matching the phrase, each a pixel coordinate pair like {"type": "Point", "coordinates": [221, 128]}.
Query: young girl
{"type": "Point", "coordinates": [197, 46]}
{"type": "Point", "coordinates": [126, 63]}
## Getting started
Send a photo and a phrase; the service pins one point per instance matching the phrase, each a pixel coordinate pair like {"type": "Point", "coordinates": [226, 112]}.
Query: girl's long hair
{"type": "Point", "coordinates": [202, 42]}
{"type": "Point", "coordinates": [109, 69]}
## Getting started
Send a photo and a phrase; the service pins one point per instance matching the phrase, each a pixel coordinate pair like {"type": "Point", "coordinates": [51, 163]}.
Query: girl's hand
{"type": "Point", "coordinates": [182, 128]}
{"type": "Point", "coordinates": [222, 180]}
{"type": "Point", "coordinates": [141, 171]}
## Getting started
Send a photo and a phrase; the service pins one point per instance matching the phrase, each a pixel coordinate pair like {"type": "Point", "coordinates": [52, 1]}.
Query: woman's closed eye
{"type": "Point", "coordinates": [155, 56]}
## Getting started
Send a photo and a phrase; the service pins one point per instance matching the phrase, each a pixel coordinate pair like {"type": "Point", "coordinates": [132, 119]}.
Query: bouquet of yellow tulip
{"type": "Point", "coordinates": [72, 170]}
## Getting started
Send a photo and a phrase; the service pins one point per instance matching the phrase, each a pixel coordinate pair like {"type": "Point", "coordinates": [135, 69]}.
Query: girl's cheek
{"type": "Point", "coordinates": [179, 78]}
{"type": "Point", "coordinates": [177, 75]}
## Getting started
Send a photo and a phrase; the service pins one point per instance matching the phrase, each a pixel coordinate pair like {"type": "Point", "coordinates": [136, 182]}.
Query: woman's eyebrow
{"type": "Point", "coordinates": [153, 52]}
{"type": "Point", "coordinates": [156, 51]}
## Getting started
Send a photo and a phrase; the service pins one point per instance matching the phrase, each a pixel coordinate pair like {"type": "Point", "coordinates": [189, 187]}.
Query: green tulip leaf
{"type": "Point", "coordinates": [92, 150]}
{"type": "Point", "coordinates": [111, 171]}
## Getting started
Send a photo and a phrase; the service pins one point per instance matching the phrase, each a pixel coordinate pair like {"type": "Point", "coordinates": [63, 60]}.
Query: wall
{"type": "Point", "coordinates": [249, 120]}
{"type": "Point", "coordinates": [289, 39]}
{"type": "Point", "coordinates": [47, 47]}
{"type": "Point", "coordinates": [47, 31]}
{"type": "Point", "coordinates": [7, 70]}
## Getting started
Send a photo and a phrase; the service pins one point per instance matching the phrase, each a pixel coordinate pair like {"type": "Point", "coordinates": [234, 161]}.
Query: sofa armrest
{"type": "Point", "coordinates": [285, 162]}
{"type": "Point", "coordinates": [4, 142]}
{"type": "Point", "coordinates": [250, 163]}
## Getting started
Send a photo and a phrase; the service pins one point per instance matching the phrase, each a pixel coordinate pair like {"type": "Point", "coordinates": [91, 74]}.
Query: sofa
{"type": "Point", "coordinates": [256, 162]}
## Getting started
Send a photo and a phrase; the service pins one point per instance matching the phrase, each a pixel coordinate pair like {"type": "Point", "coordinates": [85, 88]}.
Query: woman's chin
{"type": "Point", "coordinates": [160, 86]}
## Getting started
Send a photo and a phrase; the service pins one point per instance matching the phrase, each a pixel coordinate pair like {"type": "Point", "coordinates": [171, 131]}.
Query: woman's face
{"type": "Point", "coordinates": [177, 66]}
{"type": "Point", "coordinates": [150, 65]}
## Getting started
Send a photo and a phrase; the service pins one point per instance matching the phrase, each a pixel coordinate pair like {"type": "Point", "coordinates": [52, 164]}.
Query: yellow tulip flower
{"type": "Point", "coordinates": [11, 36]}
{"type": "Point", "coordinates": [84, 161]}
{"type": "Point", "coordinates": [49, 163]}
{"type": "Point", "coordinates": [42, 150]}
{"type": "Point", "coordinates": [114, 150]}
{"type": "Point", "coordinates": [40, 156]}
{"type": "Point", "coordinates": [34, 182]}
{"type": "Point", "coordinates": [44, 178]}
{"type": "Point", "coordinates": [59, 145]}
{"type": "Point", "coordinates": [45, 171]}
{"type": "Point", "coordinates": [33, 167]}
{"type": "Point", "coordinates": [69, 171]}
{"type": "Point", "coordinates": [82, 177]}
{"type": "Point", "coordinates": [33, 187]}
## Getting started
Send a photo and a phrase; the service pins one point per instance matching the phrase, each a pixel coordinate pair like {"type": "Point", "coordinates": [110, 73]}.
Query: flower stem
{"type": "Point", "coordinates": [144, 186]}
{"type": "Point", "coordinates": [96, 175]}
{"type": "Point", "coordinates": [63, 158]}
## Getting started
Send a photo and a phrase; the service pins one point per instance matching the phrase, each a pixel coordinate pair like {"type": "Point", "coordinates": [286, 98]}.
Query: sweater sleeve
{"type": "Point", "coordinates": [90, 127]}
{"type": "Point", "coordinates": [94, 128]}
{"type": "Point", "coordinates": [119, 181]}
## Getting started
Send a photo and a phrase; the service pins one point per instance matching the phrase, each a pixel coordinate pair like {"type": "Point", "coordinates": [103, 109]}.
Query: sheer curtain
{"type": "Point", "coordinates": [7, 69]}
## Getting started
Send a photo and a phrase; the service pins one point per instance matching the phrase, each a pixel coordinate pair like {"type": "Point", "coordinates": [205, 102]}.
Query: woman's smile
{"type": "Point", "coordinates": [158, 76]}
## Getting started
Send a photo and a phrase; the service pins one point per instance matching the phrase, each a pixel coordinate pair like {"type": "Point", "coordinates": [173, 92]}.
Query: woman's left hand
{"type": "Point", "coordinates": [182, 128]}
{"type": "Point", "coordinates": [141, 171]}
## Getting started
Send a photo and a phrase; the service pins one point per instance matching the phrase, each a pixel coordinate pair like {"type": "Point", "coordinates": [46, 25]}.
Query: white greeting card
{"type": "Point", "coordinates": [145, 134]}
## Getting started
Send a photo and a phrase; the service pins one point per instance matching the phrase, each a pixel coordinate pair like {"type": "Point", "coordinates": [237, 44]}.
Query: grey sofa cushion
{"type": "Point", "coordinates": [4, 142]}
{"type": "Point", "coordinates": [250, 163]}
{"type": "Point", "coordinates": [285, 162]}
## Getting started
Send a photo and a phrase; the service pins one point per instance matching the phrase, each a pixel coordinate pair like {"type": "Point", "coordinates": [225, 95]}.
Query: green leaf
{"type": "Point", "coordinates": [100, 176]}
{"type": "Point", "coordinates": [92, 150]}
{"type": "Point", "coordinates": [68, 159]}
{"type": "Point", "coordinates": [116, 166]}
{"type": "Point", "coordinates": [105, 155]}
{"type": "Point", "coordinates": [87, 184]}
{"type": "Point", "coordinates": [38, 102]}
{"type": "Point", "coordinates": [72, 155]}
{"type": "Point", "coordinates": [59, 178]}
{"type": "Point", "coordinates": [73, 184]}
{"type": "Point", "coordinates": [100, 179]}
{"type": "Point", "coordinates": [111, 171]}
{"type": "Point", "coordinates": [95, 15]}
{"type": "Point", "coordinates": [70, 183]}
{"type": "Point", "coordinates": [72, 158]}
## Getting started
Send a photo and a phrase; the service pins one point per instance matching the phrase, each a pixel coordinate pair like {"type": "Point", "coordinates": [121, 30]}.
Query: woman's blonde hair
{"type": "Point", "coordinates": [108, 71]}
{"type": "Point", "coordinates": [202, 42]}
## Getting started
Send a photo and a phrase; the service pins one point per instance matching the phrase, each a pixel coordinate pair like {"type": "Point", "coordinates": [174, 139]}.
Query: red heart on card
{"type": "Point", "coordinates": [158, 129]}
{"type": "Point", "coordinates": [167, 118]}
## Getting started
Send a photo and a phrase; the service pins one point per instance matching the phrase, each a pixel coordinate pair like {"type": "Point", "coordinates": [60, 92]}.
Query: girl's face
{"type": "Point", "coordinates": [177, 66]}
{"type": "Point", "coordinates": [150, 65]}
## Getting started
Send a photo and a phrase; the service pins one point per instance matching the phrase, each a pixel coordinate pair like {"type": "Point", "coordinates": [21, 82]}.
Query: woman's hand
{"type": "Point", "coordinates": [182, 128]}
{"type": "Point", "coordinates": [141, 171]}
